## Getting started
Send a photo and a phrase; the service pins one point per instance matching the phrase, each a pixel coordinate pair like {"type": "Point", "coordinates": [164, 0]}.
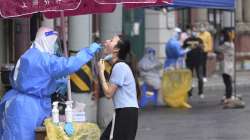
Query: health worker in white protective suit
{"type": "Point", "coordinates": [36, 76]}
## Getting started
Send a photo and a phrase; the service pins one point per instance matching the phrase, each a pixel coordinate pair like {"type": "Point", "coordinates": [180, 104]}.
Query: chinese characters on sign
{"type": "Point", "coordinates": [15, 8]}
{"type": "Point", "coordinates": [86, 7]}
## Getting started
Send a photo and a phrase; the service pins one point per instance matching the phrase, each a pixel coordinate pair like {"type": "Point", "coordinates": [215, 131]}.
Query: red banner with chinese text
{"type": "Point", "coordinates": [124, 1]}
{"type": "Point", "coordinates": [17, 8]}
{"type": "Point", "coordinates": [86, 7]}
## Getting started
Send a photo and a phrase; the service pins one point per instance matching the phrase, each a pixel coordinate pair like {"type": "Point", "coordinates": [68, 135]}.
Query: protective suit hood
{"type": "Point", "coordinates": [176, 33]}
{"type": "Point", "coordinates": [45, 40]}
{"type": "Point", "coordinates": [150, 53]}
{"type": "Point", "coordinates": [150, 67]}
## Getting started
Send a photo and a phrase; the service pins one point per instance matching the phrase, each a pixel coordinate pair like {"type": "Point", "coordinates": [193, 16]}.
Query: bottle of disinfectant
{"type": "Point", "coordinates": [68, 111]}
{"type": "Point", "coordinates": [55, 113]}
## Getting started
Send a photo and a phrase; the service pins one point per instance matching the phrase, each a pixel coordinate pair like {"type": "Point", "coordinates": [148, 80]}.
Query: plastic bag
{"type": "Point", "coordinates": [175, 87]}
{"type": "Point", "coordinates": [83, 131]}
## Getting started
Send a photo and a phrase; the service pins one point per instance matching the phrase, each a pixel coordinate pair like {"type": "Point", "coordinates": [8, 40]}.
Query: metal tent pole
{"type": "Point", "coordinates": [235, 86]}
{"type": "Point", "coordinates": [65, 48]}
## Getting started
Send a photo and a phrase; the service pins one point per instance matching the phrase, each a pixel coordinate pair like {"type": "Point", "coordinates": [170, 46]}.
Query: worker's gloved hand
{"type": "Point", "coordinates": [94, 47]}
{"type": "Point", "coordinates": [69, 129]}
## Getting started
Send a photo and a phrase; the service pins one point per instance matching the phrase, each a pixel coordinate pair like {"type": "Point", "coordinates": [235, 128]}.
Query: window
{"type": "Point", "coordinates": [184, 18]}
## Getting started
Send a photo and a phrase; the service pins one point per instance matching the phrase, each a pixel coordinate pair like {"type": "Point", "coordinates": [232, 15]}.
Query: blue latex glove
{"type": "Point", "coordinates": [69, 129]}
{"type": "Point", "coordinates": [94, 47]}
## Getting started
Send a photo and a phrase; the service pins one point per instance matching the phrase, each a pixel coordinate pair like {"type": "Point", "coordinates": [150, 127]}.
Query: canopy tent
{"type": "Point", "coordinates": [214, 4]}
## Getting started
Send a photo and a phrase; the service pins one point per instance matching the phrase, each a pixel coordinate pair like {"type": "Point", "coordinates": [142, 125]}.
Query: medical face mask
{"type": "Point", "coordinates": [194, 34]}
{"type": "Point", "coordinates": [189, 32]}
{"type": "Point", "coordinates": [108, 57]}
{"type": "Point", "coordinates": [202, 29]}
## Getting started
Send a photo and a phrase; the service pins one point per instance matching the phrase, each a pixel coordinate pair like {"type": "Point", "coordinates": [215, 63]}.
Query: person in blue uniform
{"type": "Point", "coordinates": [36, 76]}
{"type": "Point", "coordinates": [174, 50]}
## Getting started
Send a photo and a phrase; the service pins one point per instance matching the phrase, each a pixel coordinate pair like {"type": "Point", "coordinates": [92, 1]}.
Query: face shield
{"type": "Point", "coordinates": [56, 48]}
{"type": "Point", "coordinates": [150, 53]}
{"type": "Point", "coordinates": [47, 41]}
{"type": "Point", "coordinates": [177, 33]}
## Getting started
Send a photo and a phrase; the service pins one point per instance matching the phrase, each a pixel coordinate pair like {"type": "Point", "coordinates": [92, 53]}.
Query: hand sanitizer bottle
{"type": "Point", "coordinates": [68, 111]}
{"type": "Point", "coordinates": [55, 113]}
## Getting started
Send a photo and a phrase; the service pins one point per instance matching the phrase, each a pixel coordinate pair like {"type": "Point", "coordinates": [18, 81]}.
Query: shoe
{"type": "Point", "coordinates": [205, 79]}
{"type": "Point", "coordinates": [222, 101]}
{"type": "Point", "coordinates": [202, 96]}
{"type": "Point", "coordinates": [238, 97]}
{"type": "Point", "coordinates": [233, 104]}
{"type": "Point", "coordinates": [239, 104]}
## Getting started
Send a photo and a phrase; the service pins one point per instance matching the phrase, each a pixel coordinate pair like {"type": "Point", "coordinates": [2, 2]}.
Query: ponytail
{"type": "Point", "coordinates": [135, 72]}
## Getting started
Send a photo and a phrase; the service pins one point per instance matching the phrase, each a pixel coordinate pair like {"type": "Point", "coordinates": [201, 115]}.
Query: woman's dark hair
{"type": "Point", "coordinates": [227, 37]}
{"type": "Point", "coordinates": [126, 56]}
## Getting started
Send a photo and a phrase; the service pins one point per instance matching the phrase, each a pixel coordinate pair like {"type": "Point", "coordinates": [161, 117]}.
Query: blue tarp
{"type": "Point", "coordinates": [214, 4]}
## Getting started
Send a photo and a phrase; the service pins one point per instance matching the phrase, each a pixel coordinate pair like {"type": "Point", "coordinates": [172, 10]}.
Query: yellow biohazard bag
{"type": "Point", "coordinates": [82, 131]}
{"type": "Point", "coordinates": [175, 86]}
